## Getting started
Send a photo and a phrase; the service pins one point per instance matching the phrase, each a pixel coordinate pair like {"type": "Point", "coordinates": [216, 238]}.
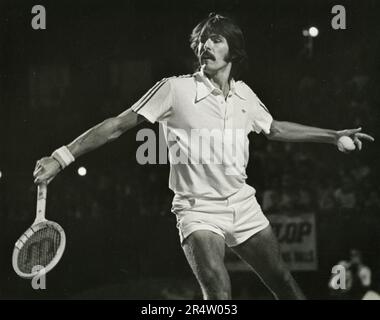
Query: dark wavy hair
{"type": "Point", "coordinates": [226, 27]}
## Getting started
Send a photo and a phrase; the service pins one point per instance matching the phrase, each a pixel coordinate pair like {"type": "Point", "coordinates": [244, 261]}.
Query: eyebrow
{"type": "Point", "coordinates": [212, 35]}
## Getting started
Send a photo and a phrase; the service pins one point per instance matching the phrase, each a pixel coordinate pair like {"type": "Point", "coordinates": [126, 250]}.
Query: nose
{"type": "Point", "coordinates": [207, 44]}
{"type": "Point", "coordinates": [204, 46]}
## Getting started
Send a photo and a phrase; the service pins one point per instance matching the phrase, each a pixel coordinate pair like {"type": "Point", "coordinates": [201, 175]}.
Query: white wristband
{"type": "Point", "coordinates": [63, 156]}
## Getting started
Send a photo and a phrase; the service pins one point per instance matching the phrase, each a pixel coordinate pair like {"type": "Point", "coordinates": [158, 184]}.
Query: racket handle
{"type": "Point", "coordinates": [42, 191]}
{"type": "Point", "coordinates": [41, 201]}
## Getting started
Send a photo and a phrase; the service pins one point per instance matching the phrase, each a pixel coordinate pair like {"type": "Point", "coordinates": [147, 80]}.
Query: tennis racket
{"type": "Point", "coordinates": [42, 245]}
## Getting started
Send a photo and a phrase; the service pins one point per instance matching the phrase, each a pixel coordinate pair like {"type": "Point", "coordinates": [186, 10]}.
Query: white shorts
{"type": "Point", "coordinates": [236, 218]}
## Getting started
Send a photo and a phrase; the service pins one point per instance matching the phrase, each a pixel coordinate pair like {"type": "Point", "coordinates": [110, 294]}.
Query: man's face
{"type": "Point", "coordinates": [213, 53]}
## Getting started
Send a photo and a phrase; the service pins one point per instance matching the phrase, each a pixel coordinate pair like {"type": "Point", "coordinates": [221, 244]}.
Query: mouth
{"type": "Point", "coordinates": [207, 56]}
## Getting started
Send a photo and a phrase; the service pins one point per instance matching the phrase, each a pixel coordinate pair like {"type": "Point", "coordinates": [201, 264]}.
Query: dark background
{"type": "Point", "coordinates": [96, 58]}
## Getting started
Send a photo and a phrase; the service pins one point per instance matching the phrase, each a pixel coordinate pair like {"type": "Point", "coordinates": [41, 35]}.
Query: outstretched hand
{"type": "Point", "coordinates": [356, 135]}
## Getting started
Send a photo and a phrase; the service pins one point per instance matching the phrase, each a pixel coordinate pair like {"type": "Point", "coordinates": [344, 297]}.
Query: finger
{"type": "Point", "coordinates": [37, 165]}
{"type": "Point", "coordinates": [40, 167]}
{"type": "Point", "coordinates": [358, 143]}
{"type": "Point", "coordinates": [350, 132]}
{"type": "Point", "coordinates": [365, 136]}
{"type": "Point", "coordinates": [36, 172]}
{"type": "Point", "coordinates": [40, 179]}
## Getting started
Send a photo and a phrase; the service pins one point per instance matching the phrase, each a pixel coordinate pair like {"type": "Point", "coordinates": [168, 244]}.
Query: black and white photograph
{"type": "Point", "coordinates": [189, 150]}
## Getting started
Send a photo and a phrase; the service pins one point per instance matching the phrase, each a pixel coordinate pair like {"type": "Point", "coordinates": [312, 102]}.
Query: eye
{"type": "Point", "coordinates": [216, 39]}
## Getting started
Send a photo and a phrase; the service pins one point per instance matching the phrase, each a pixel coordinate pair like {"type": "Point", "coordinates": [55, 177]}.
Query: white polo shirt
{"type": "Point", "coordinates": [207, 135]}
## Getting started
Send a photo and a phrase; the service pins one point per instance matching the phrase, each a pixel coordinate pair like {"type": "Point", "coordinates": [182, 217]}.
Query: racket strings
{"type": "Point", "coordinates": [39, 250]}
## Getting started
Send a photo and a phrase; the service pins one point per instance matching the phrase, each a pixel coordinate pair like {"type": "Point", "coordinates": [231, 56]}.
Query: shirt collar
{"type": "Point", "coordinates": [236, 89]}
{"type": "Point", "coordinates": [204, 87]}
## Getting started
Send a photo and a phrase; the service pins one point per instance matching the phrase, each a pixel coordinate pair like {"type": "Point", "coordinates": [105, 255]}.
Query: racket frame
{"type": "Point", "coordinates": [39, 223]}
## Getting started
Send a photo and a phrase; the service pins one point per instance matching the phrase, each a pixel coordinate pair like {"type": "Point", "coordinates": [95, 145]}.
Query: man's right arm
{"type": "Point", "coordinates": [108, 130]}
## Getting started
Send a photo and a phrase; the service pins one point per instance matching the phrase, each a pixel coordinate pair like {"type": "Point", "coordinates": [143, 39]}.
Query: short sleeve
{"type": "Point", "coordinates": [156, 104]}
{"type": "Point", "coordinates": [261, 118]}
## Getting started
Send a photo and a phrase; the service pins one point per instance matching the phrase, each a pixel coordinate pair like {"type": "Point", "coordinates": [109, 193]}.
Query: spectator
{"type": "Point", "coordinates": [326, 199]}
{"type": "Point", "coordinates": [357, 276]}
{"type": "Point", "coordinates": [271, 197]}
{"type": "Point", "coordinates": [345, 195]}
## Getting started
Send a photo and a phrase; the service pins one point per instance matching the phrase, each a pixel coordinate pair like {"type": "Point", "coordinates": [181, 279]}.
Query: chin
{"type": "Point", "coordinates": [209, 68]}
{"type": "Point", "coordinates": [209, 71]}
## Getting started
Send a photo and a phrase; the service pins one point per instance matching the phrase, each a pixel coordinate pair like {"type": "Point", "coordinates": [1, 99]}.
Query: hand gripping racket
{"type": "Point", "coordinates": [42, 245]}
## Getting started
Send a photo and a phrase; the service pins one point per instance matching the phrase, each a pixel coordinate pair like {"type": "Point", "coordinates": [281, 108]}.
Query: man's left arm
{"type": "Point", "coordinates": [294, 132]}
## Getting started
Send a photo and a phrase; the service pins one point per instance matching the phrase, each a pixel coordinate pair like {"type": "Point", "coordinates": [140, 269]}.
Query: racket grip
{"type": "Point", "coordinates": [42, 191]}
{"type": "Point", "coordinates": [41, 202]}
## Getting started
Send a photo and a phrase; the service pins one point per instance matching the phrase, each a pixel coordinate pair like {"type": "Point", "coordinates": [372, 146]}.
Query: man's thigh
{"type": "Point", "coordinates": [204, 249]}
{"type": "Point", "coordinates": [262, 252]}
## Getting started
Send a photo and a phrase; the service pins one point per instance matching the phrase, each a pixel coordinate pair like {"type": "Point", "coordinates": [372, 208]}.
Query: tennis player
{"type": "Point", "coordinates": [213, 204]}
